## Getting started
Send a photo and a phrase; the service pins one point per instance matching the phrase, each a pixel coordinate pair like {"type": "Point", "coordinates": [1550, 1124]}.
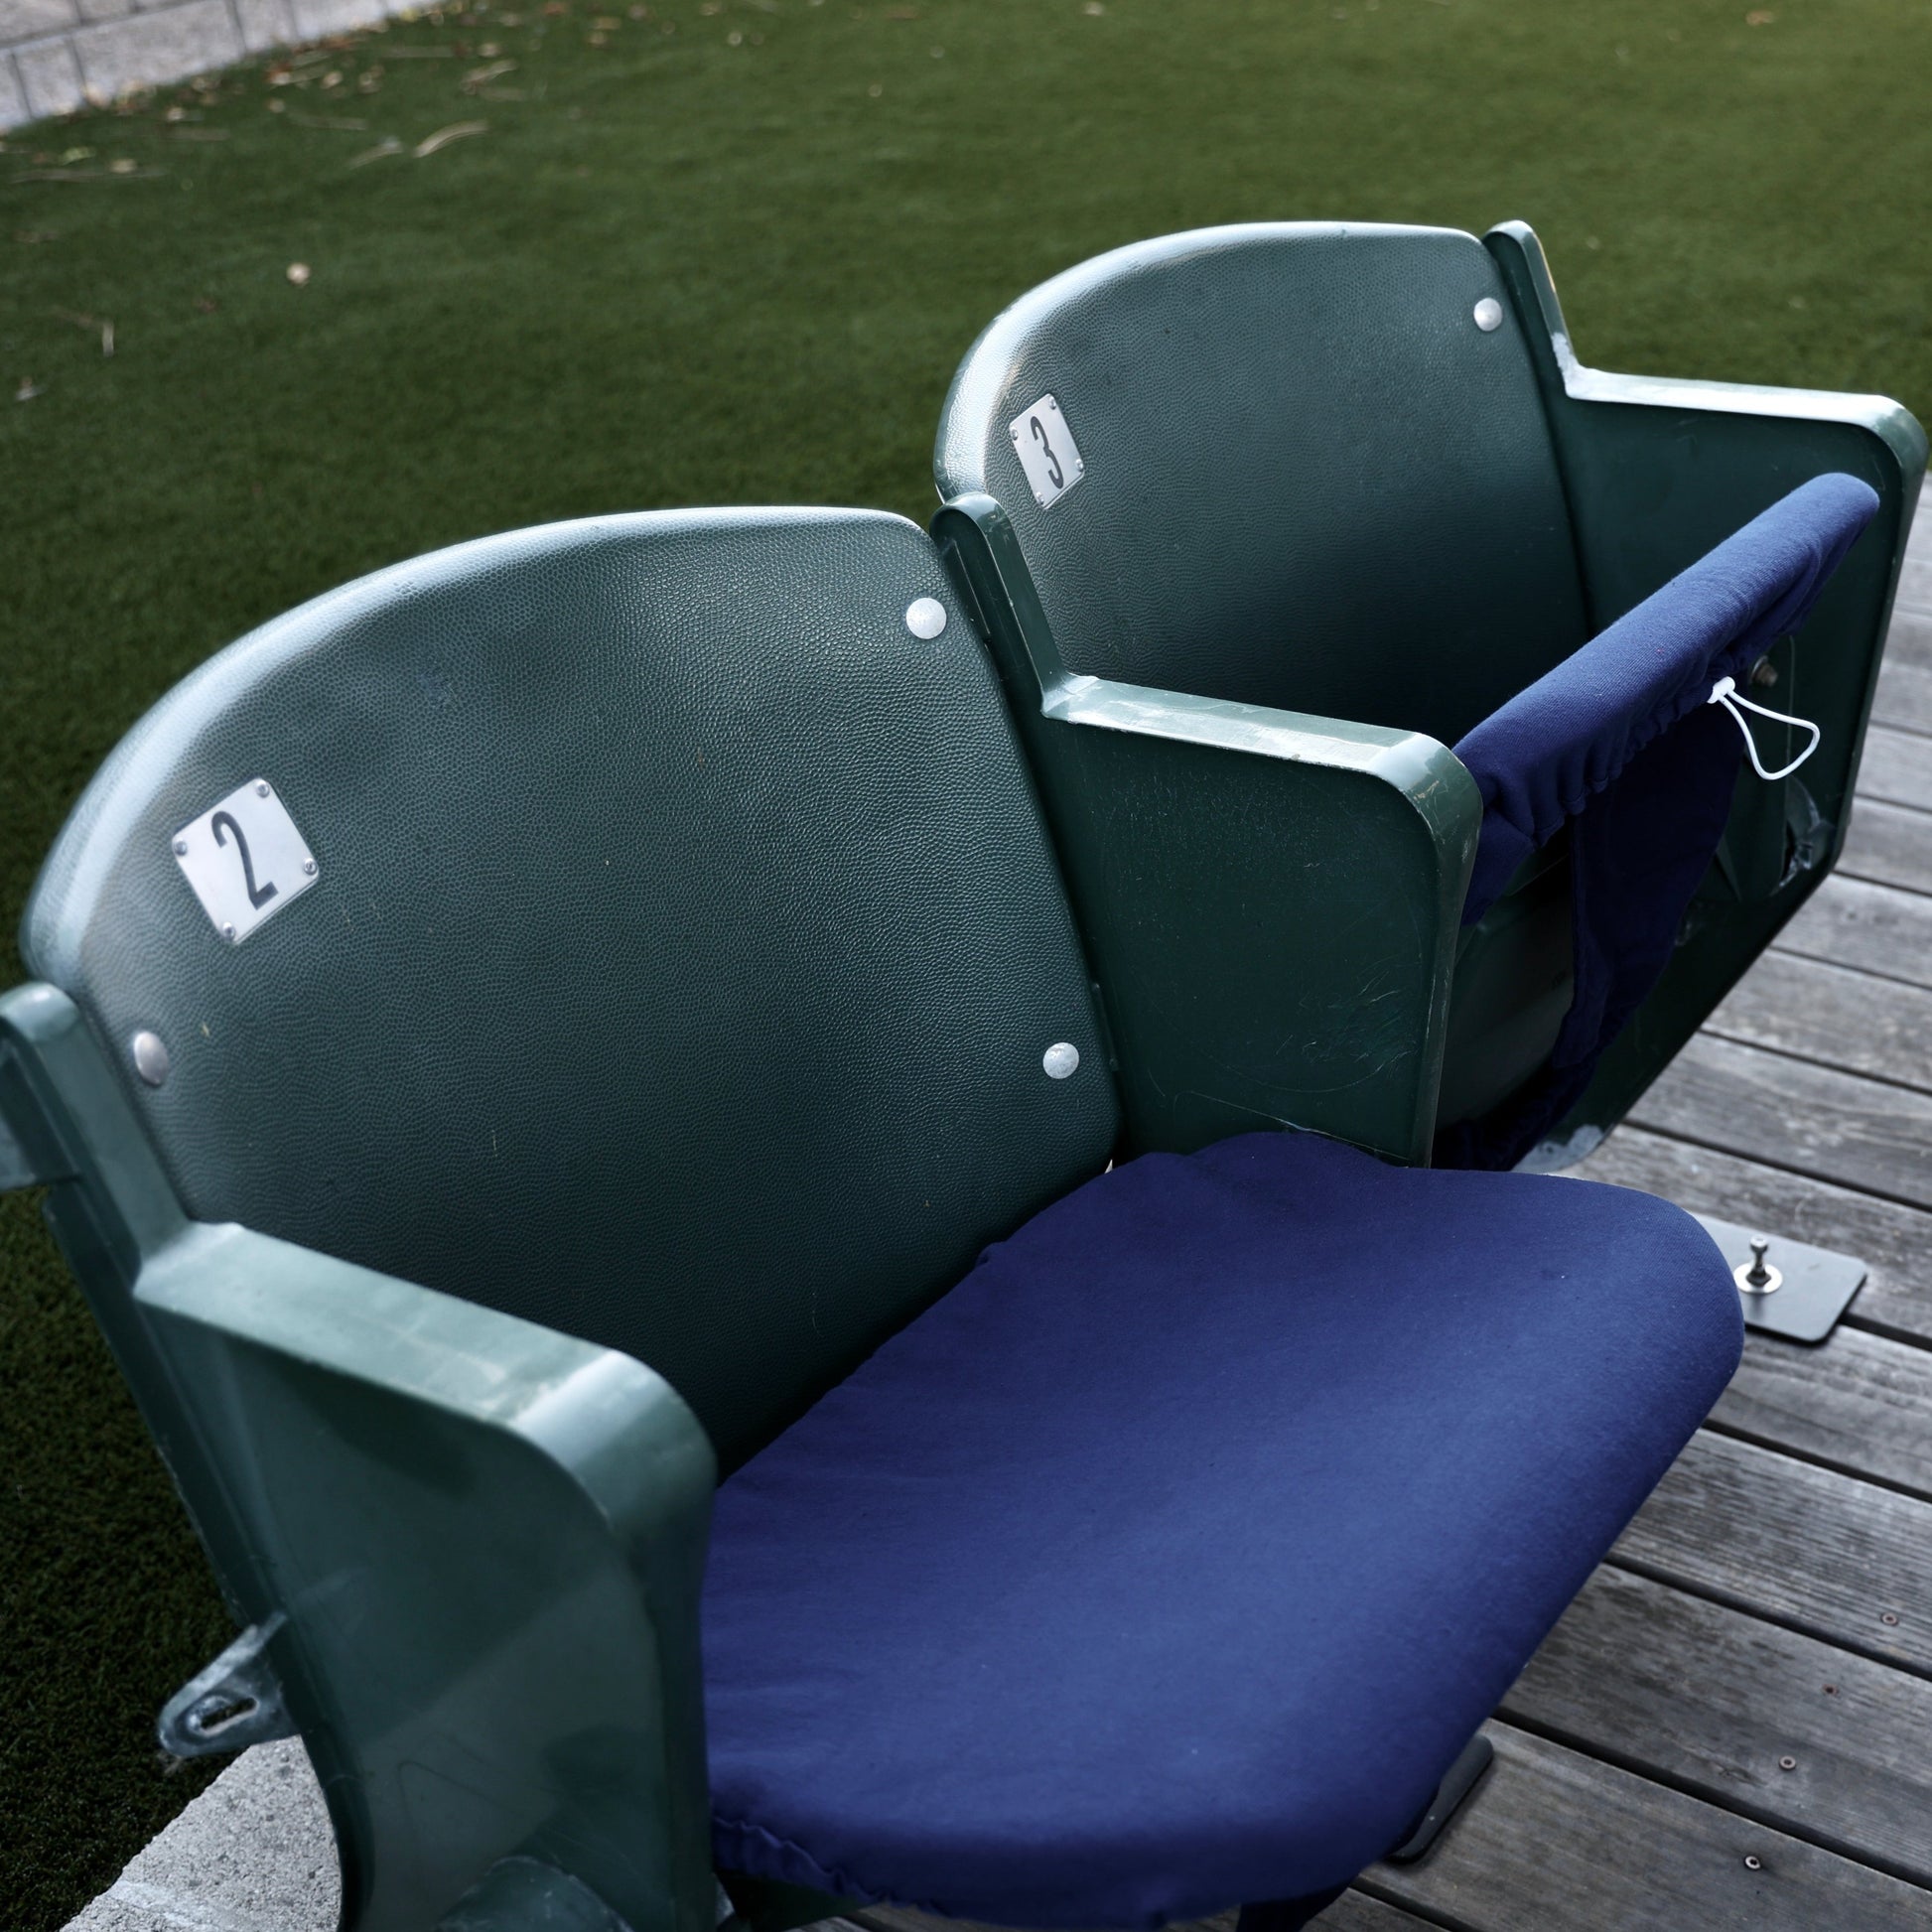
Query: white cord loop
{"type": "Point", "coordinates": [1725, 692]}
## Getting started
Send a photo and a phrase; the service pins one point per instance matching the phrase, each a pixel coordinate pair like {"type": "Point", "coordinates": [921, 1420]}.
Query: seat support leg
{"type": "Point", "coordinates": [1457, 1782]}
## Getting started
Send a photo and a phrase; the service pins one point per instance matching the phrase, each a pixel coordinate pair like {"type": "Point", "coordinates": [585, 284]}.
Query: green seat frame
{"type": "Point", "coordinates": [1324, 510]}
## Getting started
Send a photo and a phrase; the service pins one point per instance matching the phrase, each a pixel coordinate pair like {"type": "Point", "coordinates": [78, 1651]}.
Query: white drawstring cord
{"type": "Point", "coordinates": [1725, 692]}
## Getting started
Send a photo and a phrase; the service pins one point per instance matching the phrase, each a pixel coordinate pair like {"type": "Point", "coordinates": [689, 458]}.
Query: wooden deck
{"type": "Point", "coordinates": [1731, 1728]}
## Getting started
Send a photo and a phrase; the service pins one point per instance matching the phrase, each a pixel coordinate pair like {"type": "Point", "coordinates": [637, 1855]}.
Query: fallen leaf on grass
{"type": "Point", "coordinates": [478, 79]}
{"type": "Point", "coordinates": [388, 145]}
{"type": "Point", "coordinates": [92, 322]}
{"type": "Point", "coordinates": [29, 389]}
{"type": "Point", "coordinates": [298, 273]}
{"type": "Point", "coordinates": [456, 131]}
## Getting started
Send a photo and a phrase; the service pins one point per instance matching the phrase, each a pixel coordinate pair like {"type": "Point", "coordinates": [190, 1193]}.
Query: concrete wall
{"type": "Point", "coordinates": [60, 54]}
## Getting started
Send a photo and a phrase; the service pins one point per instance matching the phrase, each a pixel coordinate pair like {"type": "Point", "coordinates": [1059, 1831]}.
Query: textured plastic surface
{"type": "Point", "coordinates": [1311, 480]}
{"type": "Point", "coordinates": [684, 952]}
{"type": "Point", "coordinates": [479, 1543]}
{"type": "Point", "coordinates": [1270, 902]}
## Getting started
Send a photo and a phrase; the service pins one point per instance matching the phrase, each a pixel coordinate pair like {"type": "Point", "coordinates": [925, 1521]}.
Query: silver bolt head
{"type": "Point", "coordinates": [1061, 1060]}
{"type": "Point", "coordinates": [150, 1057]}
{"type": "Point", "coordinates": [1489, 315]}
{"type": "Point", "coordinates": [308, 867]}
{"type": "Point", "coordinates": [261, 787]}
{"type": "Point", "coordinates": [925, 616]}
{"type": "Point", "coordinates": [227, 933]}
{"type": "Point", "coordinates": [181, 848]}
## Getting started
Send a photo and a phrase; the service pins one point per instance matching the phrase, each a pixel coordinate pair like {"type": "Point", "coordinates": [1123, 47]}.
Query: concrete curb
{"type": "Point", "coordinates": [254, 1852]}
{"type": "Point", "coordinates": [56, 55]}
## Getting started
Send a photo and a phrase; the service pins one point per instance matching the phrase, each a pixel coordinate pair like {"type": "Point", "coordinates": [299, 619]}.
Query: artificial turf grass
{"type": "Point", "coordinates": [736, 274]}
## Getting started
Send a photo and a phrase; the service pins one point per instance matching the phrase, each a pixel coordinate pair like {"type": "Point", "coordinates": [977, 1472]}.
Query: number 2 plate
{"type": "Point", "coordinates": [1044, 446]}
{"type": "Point", "coordinates": [245, 858]}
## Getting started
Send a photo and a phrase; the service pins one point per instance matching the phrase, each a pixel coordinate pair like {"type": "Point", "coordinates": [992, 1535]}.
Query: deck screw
{"type": "Point", "coordinates": [1752, 1863]}
{"type": "Point", "coordinates": [1787, 1765]}
{"type": "Point", "coordinates": [1830, 1690]}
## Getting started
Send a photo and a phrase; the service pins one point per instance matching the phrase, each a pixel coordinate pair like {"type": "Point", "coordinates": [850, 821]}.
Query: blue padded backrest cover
{"type": "Point", "coordinates": [1310, 480]}
{"type": "Point", "coordinates": [680, 961]}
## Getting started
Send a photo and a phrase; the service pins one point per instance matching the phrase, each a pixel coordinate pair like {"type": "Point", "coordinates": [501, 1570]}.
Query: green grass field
{"type": "Point", "coordinates": [731, 254]}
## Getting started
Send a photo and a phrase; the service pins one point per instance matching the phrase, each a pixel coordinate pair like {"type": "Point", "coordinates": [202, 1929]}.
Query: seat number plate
{"type": "Point", "coordinates": [245, 858]}
{"type": "Point", "coordinates": [1047, 451]}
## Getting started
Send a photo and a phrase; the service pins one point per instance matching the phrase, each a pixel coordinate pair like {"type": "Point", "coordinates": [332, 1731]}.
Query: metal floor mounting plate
{"type": "Point", "coordinates": [1817, 1285]}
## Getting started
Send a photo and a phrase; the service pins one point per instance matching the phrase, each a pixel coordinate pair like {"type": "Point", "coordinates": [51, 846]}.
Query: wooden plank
{"type": "Point", "coordinates": [1895, 1242]}
{"type": "Point", "coordinates": [1717, 1702]}
{"type": "Point", "coordinates": [1888, 845]}
{"type": "Point", "coordinates": [1355, 1911]}
{"type": "Point", "coordinates": [1876, 928]}
{"type": "Point", "coordinates": [1790, 1114]}
{"type": "Point", "coordinates": [1822, 1554]}
{"type": "Point", "coordinates": [1352, 1912]}
{"type": "Point", "coordinates": [1861, 1402]}
{"type": "Point", "coordinates": [1898, 768]}
{"type": "Point", "coordinates": [1910, 640]}
{"type": "Point", "coordinates": [1555, 1839]}
{"type": "Point", "coordinates": [1832, 1015]}
{"type": "Point", "coordinates": [1904, 696]}
{"type": "Point", "coordinates": [1915, 584]}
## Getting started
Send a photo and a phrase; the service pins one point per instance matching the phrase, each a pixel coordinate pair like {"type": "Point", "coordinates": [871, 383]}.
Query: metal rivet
{"type": "Point", "coordinates": [308, 867]}
{"type": "Point", "coordinates": [1764, 674]}
{"type": "Point", "coordinates": [181, 848]}
{"type": "Point", "coordinates": [1787, 1765]}
{"type": "Point", "coordinates": [925, 616]}
{"type": "Point", "coordinates": [1489, 315]}
{"type": "Point", "coordinates": [1887, 1616]}
{"type": "Point", "coordinates": [150, 1057]}
{"type": "Point", "coordinates": [1061, 1060]}
{"type": "Point", "coordinates": [227, 933]}
{"type": "Point", "coordinates": [1752, 1863]}
{"type": "Point", "coordinates": [261, 787]}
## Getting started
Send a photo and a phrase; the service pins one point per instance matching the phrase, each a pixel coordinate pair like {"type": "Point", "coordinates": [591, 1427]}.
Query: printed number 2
{"type": "Point", "coordinates": [1053, 470]}
{"type": "Point", "coordinates": [258, 896]}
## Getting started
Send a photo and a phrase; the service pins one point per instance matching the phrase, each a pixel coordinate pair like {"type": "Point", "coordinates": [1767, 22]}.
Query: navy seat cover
{"type": "Point", "coordinates": [1169, 1561]}
{"type": "Point", "coordinates": [1620, 738]}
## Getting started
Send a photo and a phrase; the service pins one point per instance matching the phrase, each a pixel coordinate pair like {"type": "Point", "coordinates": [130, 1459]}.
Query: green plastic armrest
{"type": "Point", "coordinates": [479, 1543]}
{"type": "Point", "coordinates": [1270, 902]}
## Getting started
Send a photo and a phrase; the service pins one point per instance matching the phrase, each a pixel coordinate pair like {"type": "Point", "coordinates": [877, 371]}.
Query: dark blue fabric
{"type": "Point", "coordinates": [1620, 743]}
{"type": "Point", "coordinates": [1170, 1559]}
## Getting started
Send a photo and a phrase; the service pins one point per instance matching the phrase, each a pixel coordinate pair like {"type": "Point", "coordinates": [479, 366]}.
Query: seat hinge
{"type": "Point", "coordinates": [237, 1702]}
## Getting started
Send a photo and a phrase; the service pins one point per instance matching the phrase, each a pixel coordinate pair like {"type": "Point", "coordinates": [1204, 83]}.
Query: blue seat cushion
{"type": "Point", "coordinates": [1621, 744]}
{"type": "Point", "coordinates": [1168, 1562]}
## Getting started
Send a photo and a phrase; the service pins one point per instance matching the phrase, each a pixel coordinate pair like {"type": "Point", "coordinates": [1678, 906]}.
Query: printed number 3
{"type": "Point", "coordinates": [1053, 470]}
{"type": "Point", "coordinates": [258, 896]}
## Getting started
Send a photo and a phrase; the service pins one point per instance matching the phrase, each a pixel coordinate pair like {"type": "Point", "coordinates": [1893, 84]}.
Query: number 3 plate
{"type": "Point", "coordinates": [245, 858]}
{"type": "Point", "coordinates": [1044, 446]}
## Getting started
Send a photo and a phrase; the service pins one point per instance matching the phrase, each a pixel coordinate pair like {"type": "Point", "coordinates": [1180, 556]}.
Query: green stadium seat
{"type": "Point", "coordinates": [1349, 484]}
{"type": "Point", "coordinates": [599, 1008]}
